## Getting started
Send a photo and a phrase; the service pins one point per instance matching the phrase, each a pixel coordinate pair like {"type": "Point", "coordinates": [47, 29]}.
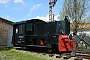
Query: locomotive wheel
{"type": "Point", "coordinates": [49, 50]}
{"type": "Point", "coordinates": [27, 48]}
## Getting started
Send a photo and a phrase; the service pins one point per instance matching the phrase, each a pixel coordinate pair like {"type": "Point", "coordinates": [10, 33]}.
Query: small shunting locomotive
{"type": "Point", "coordinates": [52, 36]}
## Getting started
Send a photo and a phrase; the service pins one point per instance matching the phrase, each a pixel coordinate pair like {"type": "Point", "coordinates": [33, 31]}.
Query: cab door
{"type": "Point", "coordinates": [19, 34]}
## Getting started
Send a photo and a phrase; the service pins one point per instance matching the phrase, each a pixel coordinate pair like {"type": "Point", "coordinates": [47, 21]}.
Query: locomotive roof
{"type": "Point", "coordinates": [30, 21]}
{"type": "Point", "coordinates": [21, 22]}
{"type": "Point", "coordinates": [35, 21]}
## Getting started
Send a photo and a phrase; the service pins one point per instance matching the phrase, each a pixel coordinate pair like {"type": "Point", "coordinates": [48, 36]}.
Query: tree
{"type": "Point", "coordinates": [76, 10]}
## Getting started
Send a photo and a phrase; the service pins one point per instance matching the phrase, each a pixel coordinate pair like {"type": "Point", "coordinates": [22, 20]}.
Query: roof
{"type": "Point", "coordinates": [21, 22]}
{"type": "Point", "coordinates": [35, 21]}
{"type": "Point", "coordinates": [81, 26]}
{"type": "Point", "coordinates": [7, 21]}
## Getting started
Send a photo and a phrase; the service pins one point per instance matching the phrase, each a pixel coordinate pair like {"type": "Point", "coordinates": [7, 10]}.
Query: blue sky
{"type": "Point", "coordinates": [17, 10]}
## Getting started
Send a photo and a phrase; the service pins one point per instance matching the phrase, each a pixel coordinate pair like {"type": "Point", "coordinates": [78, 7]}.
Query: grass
{"type": "Point", "coordinates": [10, 54]}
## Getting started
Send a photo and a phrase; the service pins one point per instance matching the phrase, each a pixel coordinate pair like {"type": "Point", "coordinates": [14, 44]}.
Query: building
{"type": "Point", "coordinates": [6, 31]}
{"type": "Point", "coordinates": [83, 28]}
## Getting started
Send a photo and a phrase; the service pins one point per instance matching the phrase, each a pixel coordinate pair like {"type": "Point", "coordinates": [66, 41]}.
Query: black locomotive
{"type": "Point", "coordinates": [38, 33]}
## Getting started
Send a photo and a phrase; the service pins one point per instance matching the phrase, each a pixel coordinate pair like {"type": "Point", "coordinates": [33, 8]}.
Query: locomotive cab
{"type": "Point", "coordinates": [19, 33]}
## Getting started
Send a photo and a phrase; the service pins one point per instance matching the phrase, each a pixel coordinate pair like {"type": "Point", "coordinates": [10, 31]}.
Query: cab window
{"type": "Point", "coordinates": [20, 29]}
{"type": "Point", "coordinates": [29, 27]}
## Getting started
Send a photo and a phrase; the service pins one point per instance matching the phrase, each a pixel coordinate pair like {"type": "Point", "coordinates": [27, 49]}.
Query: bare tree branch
{"type": "Point", "coordinates": [76, 10]}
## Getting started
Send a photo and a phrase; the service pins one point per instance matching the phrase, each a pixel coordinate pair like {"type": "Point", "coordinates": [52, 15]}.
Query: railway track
{"type": "Point", "coordinates": [57, 56]}
{"type": "Point", "coordinates": [79, 55]}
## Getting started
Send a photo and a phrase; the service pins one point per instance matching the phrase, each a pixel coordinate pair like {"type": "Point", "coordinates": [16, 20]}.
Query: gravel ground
{"type": "Point", "coordinates": [46, 56]}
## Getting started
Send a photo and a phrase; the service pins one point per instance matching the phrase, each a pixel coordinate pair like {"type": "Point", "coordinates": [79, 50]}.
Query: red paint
{"type": "Point", "coordinates": [41, 42]}
{"type": "Point", "coordinates": [65, 44]}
